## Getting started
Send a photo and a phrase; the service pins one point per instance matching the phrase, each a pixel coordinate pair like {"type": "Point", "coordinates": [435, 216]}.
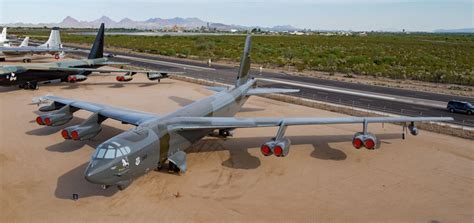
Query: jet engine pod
{"type": "Point", "coordinates": [124, 78]}
{"type": "Point", "coordinates": [154, 76]}
{"type": "Point", "coordinates": [55, 119]}
{"type": "Point", "coordinates": [282, 147]}
{"type": "Point", "coordinates": [76, 78]}
{"type": "Point", "coordinates": [369, 141]}
{"type": "Point", "coordinates": [267, 148]}
{"type": "Point", "coordinates": [81, 132]}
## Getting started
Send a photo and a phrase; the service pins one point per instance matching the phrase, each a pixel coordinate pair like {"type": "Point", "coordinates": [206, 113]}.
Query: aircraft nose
{"type": "Point", "coordinates": [92, 175]}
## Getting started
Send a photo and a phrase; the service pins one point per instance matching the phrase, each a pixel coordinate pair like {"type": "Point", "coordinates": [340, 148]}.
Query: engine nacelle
{"type": "Point", "coordinates": [54, 119]}
{"type": "Point", "coordinates": [81, 132]}
{"type": "Point", "coordinates": [156, 76]}
{"type": "Point", "coordinates": [413, 129]}
{"type": "Point", "coordinates": [279, 148]}
{"type": "Point", "coordinates": [47, 108]}
{"type": "Point", "coordinates": [124, 78]}
{"type": "Point", "coordinates": [369, 141]}
{"type": "Point", "coordinates": [76, 78]}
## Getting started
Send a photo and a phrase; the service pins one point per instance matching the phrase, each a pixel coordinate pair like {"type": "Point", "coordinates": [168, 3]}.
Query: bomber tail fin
{"type": "Point", "coordinates": [244, 63]}
{"type": "Point", "coordinates": [97, 50]}
{"type": "Point", "coordinates": [25, 42]}
{"type": "Point", "coordinates": [54, 40]}
{"type": "Point", "coordinates": [3, 37]}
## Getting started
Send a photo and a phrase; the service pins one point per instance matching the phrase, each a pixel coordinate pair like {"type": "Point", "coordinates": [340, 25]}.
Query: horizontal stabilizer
{"type": "Point", "coordinates": [257, 91]}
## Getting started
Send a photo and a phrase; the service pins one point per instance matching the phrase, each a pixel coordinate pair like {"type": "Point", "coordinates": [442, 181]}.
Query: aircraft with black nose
{"type": "Point", "coordinates": [158, 140]}
{"type": "Point", "coordinates": [28, 76]}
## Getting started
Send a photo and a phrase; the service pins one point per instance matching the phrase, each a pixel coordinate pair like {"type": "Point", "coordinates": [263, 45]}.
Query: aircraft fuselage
{"type": "Point", "coordinates": [151, 143]}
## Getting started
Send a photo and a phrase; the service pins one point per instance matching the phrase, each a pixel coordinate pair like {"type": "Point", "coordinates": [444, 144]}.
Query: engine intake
{"type": "Point", "coordinates": [124, 78]}
{"type": "Point", "coordinates": [54, 119]}
{"type": "Point", "coordinates": [86, 130]}
{"type": "Point", "coordinates": [76, 78]}
{"type": "Point", "coordinates": [59, 117]}
{"type": "Point", "coordinates": [81, 132]}
{"type": "Point", "coordinates": [279, 148]}
{"type": "Point", "coordinates": [369, 141]}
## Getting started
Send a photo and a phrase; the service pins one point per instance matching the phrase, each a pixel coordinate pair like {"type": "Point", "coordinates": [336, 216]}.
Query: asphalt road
{"type": "Point", "coordinates": [391, 100]}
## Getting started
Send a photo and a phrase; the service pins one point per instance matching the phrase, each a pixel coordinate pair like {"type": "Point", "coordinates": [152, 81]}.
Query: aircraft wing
{"type": "Point", "coordinates": [119, 114]}
{"type": "Point", "coordinates": [34, 50]}
{"type": "Point", "coordinates": [260, 90]}
{"type": "Point", "coordinates": [193, 123]}
{"type": "Point", "coordinates": [102, 70]}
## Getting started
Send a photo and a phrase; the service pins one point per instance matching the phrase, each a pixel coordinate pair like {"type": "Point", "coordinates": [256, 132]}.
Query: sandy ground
{"type": "Point", "coordinates": [424, 179]}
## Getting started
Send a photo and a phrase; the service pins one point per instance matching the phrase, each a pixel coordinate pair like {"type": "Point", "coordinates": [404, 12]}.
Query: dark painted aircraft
{"type": "Point", "coordinates": [159, 140]}
{"type": "Point", "coordinates": [28, 76]}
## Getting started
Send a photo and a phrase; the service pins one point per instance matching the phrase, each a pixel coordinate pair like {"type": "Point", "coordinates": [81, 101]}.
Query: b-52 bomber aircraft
{"type": "Point", "coordinates": [156, 139]}
{"type": "Point", "coordinates": [28, 76]}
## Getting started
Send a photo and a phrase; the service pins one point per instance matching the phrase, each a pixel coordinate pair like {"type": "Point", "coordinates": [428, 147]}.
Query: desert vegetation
{"type": "Point", "coordinates": [440, 58]}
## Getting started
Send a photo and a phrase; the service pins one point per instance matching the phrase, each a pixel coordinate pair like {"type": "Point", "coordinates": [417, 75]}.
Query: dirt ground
{"type": "Point", "coordinates": [429, 178]}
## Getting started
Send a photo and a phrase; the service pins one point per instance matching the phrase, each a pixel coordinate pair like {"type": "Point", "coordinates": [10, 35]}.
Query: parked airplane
{"type": "Point", "coordinates": [159, 139]}
{"type": "Point", "coordinates": [53, 46]}
{"type": "Point", "coordinates": [28, 76]}
{"type": "Point", "coordinates": [4, 41]}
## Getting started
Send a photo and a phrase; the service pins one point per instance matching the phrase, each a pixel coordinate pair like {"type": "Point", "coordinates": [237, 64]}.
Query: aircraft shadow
{"type": "Point", "coordinates": [9, 89]}
{"type": "Point", "coordinates": [242, 159]}
{"type": "Point", "coordinates": [73, 182]}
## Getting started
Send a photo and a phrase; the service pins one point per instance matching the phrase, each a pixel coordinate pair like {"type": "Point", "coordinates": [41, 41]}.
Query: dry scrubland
{"type": "Point", "coordinates": [439, 58]}
{"type": "Point", "coordinates": [424, 179]}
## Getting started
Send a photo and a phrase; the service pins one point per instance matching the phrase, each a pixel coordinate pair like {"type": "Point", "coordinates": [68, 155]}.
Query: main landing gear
{"type": "Point", "coordinates": [29, 85]}
{"type": "Point", "coordinates": [172, 168]}
{"type": "Point", "coordinates": [26, 60]}
{"type": "Point", "coordinates": [224, 133]}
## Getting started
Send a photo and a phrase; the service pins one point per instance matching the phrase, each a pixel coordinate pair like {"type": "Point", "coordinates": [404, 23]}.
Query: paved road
{"type": "Point", "coordinates": [392, 100]}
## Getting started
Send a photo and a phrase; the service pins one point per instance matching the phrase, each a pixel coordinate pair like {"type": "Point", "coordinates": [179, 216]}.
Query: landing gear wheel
{"type": "Point", "coordinates": [172, 167]}
{"type": "Point", "coordinates": [26, 60]}
{"type": "Point", "coordinates": [224, 133]}
{"type": "Point", "coordinates": [451, 110]}
{"type": "Point", "coordinates": [2, 59]}
{"type": "Point", "coordinates": [32, 85]}
{"type": "Point", "coordinates": [159, 167]}
{"type": "Point", "coordinates": [122, 185]}
{"type": "Point", "coordinates": [469, 112]}
{"type": "Point", "coordinates": [159, 80]}
{"type": "Point", "coordinates": [21, 86]}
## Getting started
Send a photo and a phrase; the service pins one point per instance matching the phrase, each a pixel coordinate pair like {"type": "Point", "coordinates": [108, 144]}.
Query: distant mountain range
{"type": "Point", "coordinates": [465, 30]}
{"type": "Point", "coordinates": [152, 23]}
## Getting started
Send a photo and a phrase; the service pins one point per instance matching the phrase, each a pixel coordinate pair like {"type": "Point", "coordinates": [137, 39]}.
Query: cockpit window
{"type": "Point", "coordinates": [110, 154]}
{"type": "Point", "coordinates": [100, 153]}
{"type": "Point", "coordinates": [111, 151]}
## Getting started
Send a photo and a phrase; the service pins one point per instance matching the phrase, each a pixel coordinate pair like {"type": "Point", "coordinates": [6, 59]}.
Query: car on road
{"type": "Point", "coordinates": [460, 106]}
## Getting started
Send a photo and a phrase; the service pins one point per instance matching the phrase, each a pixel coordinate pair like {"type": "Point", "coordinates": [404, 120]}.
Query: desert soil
{"type": "Point", "coordinates": [428, 178]}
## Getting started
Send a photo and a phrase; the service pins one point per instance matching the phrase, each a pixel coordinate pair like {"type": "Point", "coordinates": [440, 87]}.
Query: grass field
{"type": "Point", "coordinates": [440, 58]}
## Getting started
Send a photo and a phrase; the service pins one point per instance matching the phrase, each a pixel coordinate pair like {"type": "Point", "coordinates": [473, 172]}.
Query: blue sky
{"type": "Point", "coordinates": [419, 15]}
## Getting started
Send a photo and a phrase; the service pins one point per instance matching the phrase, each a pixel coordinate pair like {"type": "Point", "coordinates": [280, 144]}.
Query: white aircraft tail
{"type": "Point", "coordinates": [3, 37]}
{"type": "Point", "coordinates": [54, 40]}
{"type": "Point", "coordinates": [25, 42]}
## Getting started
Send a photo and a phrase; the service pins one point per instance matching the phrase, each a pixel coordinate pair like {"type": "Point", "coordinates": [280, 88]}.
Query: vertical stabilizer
{"type": "Point", "coordinates": [25, 42]}
{"type": "Point", "coordinates": [54, 40]}
{"type": "Point", "coordinates": [3, 37]}
{"type": "Point", "coordinates": [97, 50]}
{"type": "Point", "coordinates": [244, 63]}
